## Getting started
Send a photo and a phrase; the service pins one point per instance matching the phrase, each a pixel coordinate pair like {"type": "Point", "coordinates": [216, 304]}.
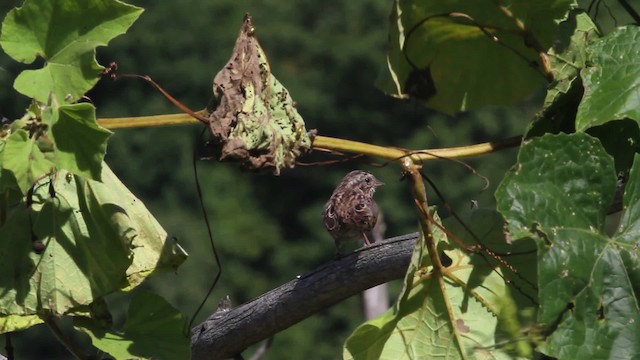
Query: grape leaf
{"type": "Point", "coordinates": [569, 174]}
{"type": "Point", "coordinates": [612, 81]}
{"type": "Point", "coordinates": [98, 239]}
{"type": "Point", "coordinates": [559, 193]}
{"type": "Point", "coordinates": [450, 63]}
{"type": "Point", "coordinates": [65, 33]}
{"type": "Point", "coordinates": [435, 316]}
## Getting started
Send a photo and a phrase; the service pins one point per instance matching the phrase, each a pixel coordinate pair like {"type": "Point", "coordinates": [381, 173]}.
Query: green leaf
{"type": "Point", "coordinates": [23, 158]}
{"type": "Point", "coordinates": [79, 142]}
{"type": "Point", "coordinates": [81, 260]}
{"type": "Point", "coordinates": [450, 316]}
{"type": "Point", "coordinates": [586, 279]}
{"type": "Point", "coordinates": [61, 32]}
{"type": "Point", "coordinates": [567, 57]}
{"type": "Point", "coordinates": [449, 62]}
{"type": "Point", "coordinates": [612, 81]}
{"type": "Point", "coordinates": [98, 238]}
{"type": "Point", "coordinates": [152, 249]}
{"type": "Point", "coordinates": [559, 181]}
{"type": "Point", "coordinates": [153, 329]}
{"type": "Point", "coordinates": [486, 227]}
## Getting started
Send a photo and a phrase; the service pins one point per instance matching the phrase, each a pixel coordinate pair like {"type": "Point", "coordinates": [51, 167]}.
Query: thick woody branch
{"type": "Point", "coordinates": [227, 333]}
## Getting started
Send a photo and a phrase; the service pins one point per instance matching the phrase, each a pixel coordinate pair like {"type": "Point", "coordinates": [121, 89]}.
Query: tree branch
{"type": "Point", "coordinates": [227, 333]}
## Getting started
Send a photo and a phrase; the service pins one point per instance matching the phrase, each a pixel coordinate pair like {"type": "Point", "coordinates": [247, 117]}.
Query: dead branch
{"type": "Point", "coordinates": [227, 333]}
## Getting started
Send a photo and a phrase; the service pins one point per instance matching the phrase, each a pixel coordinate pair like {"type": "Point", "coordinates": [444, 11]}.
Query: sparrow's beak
{"type": "Point", "coordinates": [377, 183]}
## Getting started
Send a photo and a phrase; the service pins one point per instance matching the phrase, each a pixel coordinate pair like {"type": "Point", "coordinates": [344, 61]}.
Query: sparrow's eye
{"type": "Point", "coordinates": [367, 180]}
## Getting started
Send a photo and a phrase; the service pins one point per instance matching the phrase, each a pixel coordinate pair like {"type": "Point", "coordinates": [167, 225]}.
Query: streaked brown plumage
{"type": "Point", "coordinates": [351, 211]}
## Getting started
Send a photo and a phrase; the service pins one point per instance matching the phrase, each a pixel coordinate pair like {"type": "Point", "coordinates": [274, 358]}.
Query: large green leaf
{"type": "Point", "coordinates": [559, 193]}
{"type": "Point", "coordinates": [453, 65]}
{"type": "Point", "coordinates": [65, 33]}
{"type": "Point", "coordinates": [153, 329]}
{"type": "Point", "coordinates": [612, 81]}
{"type": "Point", "coordinates": [450, 316]}
{"type": "Point", "coordinates": [98, 238]}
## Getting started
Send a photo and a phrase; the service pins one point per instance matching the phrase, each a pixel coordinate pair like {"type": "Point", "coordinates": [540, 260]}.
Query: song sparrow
{"type": "Point", "coordinates": [351, 211]}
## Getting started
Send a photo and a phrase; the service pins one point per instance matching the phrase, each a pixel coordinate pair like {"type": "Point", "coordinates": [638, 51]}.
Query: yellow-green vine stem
{"type": "Point", "coordinates": [329, 143]}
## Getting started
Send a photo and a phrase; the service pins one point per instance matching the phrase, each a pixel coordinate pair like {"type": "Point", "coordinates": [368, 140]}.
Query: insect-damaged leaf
{"type": "Point", "coordinates": [252, 116]}
{"type": "Point", "coordinates": [559, 194]}
{"type": "Point", "coordinates": [449, 315]}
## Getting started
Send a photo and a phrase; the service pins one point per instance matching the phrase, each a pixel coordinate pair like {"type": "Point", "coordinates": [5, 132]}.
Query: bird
{"type": "Point", "coordinates": [351, 212]}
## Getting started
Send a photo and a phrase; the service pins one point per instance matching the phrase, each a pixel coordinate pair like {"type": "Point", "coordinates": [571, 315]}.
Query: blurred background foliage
{"type": "Point", "coordinates": [268, 229]}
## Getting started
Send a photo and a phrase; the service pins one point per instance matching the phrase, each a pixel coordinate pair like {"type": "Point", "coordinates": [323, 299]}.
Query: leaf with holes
{"type": "Point", "coordinates": [453, 315]}
{"type": "Point", "coordinates": [65, 33]}
{"type": "Point", "coordinates": [559, 194]}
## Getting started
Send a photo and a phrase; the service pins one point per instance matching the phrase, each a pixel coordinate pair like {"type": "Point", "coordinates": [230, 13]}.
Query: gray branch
{"type": "Point", "coordinates": [227, 333]}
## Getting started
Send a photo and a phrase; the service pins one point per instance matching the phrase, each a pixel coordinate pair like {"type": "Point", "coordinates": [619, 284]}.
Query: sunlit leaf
{"type": "Point", "coordinates": [65, 33]}
{"type": "Point", "coordinates": [98, 238]}
{"type": "Point", "coordinates": [451, 316]}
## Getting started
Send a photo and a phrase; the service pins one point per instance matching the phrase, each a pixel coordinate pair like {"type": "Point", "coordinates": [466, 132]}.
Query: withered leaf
{"type": "Point", "coordinates": [252, 116]}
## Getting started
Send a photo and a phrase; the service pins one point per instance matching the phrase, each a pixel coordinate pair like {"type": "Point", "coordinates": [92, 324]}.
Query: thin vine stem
{"type": "Point", "coordinates": [412, 171]}
{"type": "Point", "coordinates": [331, 143]}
